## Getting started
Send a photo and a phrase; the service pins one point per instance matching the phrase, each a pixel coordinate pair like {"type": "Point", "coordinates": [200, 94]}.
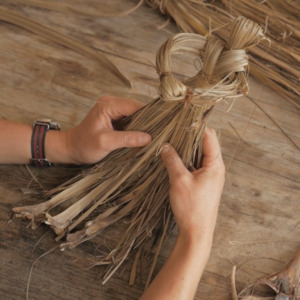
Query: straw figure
{"type": "Point", "coordinates": [132, 184]}
{"type": "Point", "coordinates": [278, 65]}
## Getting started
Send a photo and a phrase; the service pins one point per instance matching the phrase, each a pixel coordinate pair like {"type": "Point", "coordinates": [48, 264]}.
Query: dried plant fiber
{"type": "Point", "coordinates": [133, 183]}
{"type": "Point", "coordinates": [9, 16]}
{"type": "Point", "coordinates": [85, 9]}
{"type": "Point", "coordinates": [285, 282]}
{"type": "Point", "coordinates": [276, 65]}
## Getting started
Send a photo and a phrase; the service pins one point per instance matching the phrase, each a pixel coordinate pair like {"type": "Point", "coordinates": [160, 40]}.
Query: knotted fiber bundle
{"type": "Point", "coordinates": [133, 183]}
{"type": "Point", "coordinates": [277, 66]}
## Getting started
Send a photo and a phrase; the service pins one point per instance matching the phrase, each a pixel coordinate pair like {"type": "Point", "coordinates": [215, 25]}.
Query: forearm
{"type": "Point", "coordinates": [16, 144]}
{"type": "Point", "coordinates": [179, 277]}
{"type": "Point", "coordinates": [87, 143]}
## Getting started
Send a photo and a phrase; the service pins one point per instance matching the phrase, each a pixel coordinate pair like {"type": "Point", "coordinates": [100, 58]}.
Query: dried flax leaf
{"type": "Point", "coordinates": [276, 65]}
{"type": "Point", "coordinates": [285, 283]}
{"type": "Point", "coordinates": [9, 16]}
{"type": "Point", "coordinates": [85, 9]}
{"type": "Point", "coordinates": [233, 285]}
{"type": "Point", "coordinates": [257, 298]}
{"type": "Point", "coordinates": [131, 184]}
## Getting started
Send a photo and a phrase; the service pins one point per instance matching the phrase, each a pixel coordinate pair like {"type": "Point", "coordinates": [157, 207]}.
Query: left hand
{"type": "Point", "coordinates": [195, 196]}
{"type": "Point", "coordinates": [95, 136]}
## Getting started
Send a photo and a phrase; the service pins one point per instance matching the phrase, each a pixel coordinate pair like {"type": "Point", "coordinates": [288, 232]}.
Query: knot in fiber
{"type": "Point", "coordinates": [221, 59]}
{"type": "Point", "coordinates": [224, 64]}
{"type": "Point", "coordinates": [171, 89]}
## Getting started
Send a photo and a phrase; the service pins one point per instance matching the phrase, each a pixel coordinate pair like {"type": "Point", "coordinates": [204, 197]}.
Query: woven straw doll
{"type": "Point", "coordinates": [132, 184]}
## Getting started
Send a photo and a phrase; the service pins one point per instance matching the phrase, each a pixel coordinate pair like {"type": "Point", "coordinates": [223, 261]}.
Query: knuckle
{"type": "Point", "coordinates": [219, 171]}
{"type": "Point", "coordinates": [103, 103]}
{"type": "Point", "coordinates": [180, 181]}
{"type": "Point", "coordinates": [99, 109]}
{"type": "Point", "coordinates": [104, 108]}
{"type": "Point", "coordinates": [104, 99]}
{"type": "Point", "coordinates": [182, 178]}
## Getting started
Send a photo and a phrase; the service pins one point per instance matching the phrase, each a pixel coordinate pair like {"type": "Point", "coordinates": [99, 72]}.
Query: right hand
{"type": "Point", "coordinates": [95, 136]}
{"type": "Point", "coordinates": [195, 196]}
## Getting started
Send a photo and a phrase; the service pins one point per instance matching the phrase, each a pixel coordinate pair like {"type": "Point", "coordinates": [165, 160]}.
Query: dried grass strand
{"type": "Point", "coordinates": [81, 10]}
{"type": "Point", "coordinates": [9, 16]}
{"type": "Point", "coordinates": [233, 286]}
{"type": "Point", "coordinates": [131, 184]}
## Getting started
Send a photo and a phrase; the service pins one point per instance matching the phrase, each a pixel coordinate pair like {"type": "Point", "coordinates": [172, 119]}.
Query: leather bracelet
{"type": "Point", "coordinates": [40, 128]}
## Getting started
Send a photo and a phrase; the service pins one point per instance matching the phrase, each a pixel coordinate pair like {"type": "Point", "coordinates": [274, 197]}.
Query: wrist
{"type": "Point", "coordinates": [196, 237]}
{"type": "Point", "coordinates": [56, 147]}
{"type": "Point", "coordinates": [195, 247]}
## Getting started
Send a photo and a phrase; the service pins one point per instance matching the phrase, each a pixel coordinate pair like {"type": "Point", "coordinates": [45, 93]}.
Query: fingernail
{"type": "Point", "coordinates": [164, 149]}
{"type": "Point", "coordinates": [144, 138]}
{"type": "Point", "coordinates": [209, 130]}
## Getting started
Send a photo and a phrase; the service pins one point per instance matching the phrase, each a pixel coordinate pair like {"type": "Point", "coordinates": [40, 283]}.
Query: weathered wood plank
{"type": "Point", "coordinates": [259, 213]}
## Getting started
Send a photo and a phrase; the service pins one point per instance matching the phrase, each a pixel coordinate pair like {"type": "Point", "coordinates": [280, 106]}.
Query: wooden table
{"type": "Point", "coordinates": [258, 225]}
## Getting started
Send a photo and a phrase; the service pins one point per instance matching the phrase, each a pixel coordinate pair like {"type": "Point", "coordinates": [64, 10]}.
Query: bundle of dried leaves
{"type": "Point", "coordinates": [277, 66]}
{"type": "Point", "coordinates": [133, 183]}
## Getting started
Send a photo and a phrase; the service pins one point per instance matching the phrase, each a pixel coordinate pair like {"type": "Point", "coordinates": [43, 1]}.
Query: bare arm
{"type": "Point", "coordinates": [87, 143]}
{"type": "Point", "coordinates": [194, 199]}
{"type": "Point", "coordinates": [14, 142]}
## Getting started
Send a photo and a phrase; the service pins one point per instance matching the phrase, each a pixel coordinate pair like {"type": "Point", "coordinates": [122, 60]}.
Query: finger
{"type": "Point", "coordinates": [211, 149]}
{"type": "Point", "coordinates": [124, 139]}
{"type": "Point", "coordinates": [117, 108]}
{"type": "Point", "coordinates": [172, 162]}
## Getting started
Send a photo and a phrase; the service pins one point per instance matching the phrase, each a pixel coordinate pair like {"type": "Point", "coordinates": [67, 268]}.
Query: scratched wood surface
{"type": "Point", "coordinates": [258, 226]}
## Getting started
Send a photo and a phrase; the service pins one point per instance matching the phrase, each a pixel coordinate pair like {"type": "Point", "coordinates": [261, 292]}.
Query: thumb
{"type": "Point", "coordinates": [211, 149]}
{"type": "Point", "coordinates": [172, 162]}
{"type": "Point", "coordinates": [122, 139]}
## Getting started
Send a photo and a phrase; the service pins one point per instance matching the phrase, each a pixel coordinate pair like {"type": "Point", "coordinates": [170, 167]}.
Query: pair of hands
{"type": "Point", "coordinates": [194, 196]}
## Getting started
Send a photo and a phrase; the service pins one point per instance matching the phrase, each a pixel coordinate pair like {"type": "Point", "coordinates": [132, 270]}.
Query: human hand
{"type": "Point", "coordinates": [95, 136]}
{"type": "Point", "coordinates": [195, 196]}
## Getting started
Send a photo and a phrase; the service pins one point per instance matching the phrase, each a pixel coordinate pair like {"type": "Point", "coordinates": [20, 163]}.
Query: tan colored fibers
{"type": "Point", "coordinates": [85, 9]}
{"type": "Point", "coordinates": [132, 183]}
{"type": "Point", "coordinates": [53, 35]}
{"type": "Point", "coordinates": [275, 64]}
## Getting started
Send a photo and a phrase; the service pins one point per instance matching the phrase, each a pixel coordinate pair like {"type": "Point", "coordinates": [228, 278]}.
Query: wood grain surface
{"type": "Point", "coordinates": [258, 226]}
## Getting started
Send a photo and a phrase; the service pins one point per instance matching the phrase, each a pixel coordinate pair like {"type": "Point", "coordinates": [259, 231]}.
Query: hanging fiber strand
{"type": "Point", "coordinates": [131, 183]}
